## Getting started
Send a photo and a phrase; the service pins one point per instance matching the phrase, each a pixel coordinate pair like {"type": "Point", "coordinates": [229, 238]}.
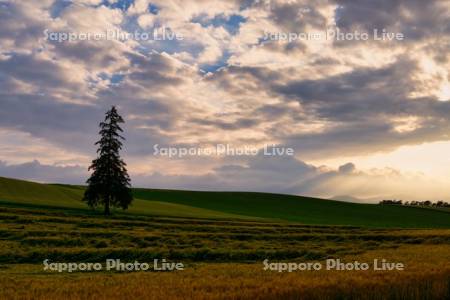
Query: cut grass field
{"type": "Point", "coordinates": [234, 205]}
{"type": "Point", "coordinates": [222, 239]}
{"type": "Point", "coordinates": [242, 281]}
{"type": "Point", "coordinates": [223, 258]}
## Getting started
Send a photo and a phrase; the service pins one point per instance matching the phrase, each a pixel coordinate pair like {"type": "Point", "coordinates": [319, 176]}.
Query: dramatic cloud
{"type": "Point", "coordinates": [229, 80]}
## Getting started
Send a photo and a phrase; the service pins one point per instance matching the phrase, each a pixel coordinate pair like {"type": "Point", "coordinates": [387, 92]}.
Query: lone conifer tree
{"type": "Point", "coordinates": [109, 184]}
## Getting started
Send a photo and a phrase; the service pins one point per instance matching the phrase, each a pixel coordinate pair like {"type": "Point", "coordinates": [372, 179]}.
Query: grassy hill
{"type": "Point", "coordinates": [236, 205]}
{"type": "Point", "coordinates": [303, 209]}
{"type": "Point", "coordinates": [13, 191]}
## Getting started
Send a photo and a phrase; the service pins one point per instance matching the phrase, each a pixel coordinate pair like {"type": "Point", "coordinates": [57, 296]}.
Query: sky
{"type": "Point", "coordinates": [367, 115]}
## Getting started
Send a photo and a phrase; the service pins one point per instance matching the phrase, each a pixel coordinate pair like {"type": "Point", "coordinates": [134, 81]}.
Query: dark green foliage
{"type": "Point", "coordinates": [109, 184]}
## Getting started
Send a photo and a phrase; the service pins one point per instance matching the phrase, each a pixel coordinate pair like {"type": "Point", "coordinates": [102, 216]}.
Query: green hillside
{"type": "Point", "coordinates": [303, 209]}
{"type": "Point", "coordinates": [65, 196]}
{"type": "Point", "coordinates": [20, 191]}
{"type": "Point", "coordinates": [236, 205]}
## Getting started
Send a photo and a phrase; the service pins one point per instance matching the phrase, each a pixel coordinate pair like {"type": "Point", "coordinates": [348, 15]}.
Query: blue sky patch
{"type": "Point", "coordinates": [222, 62]}
{"type": "Point", "coordinates": [120, 4]}
{"type": "Point", "coordinates": [230, 23]}
{"type": "Point", "coordinates": [153, 9]}
{"type": "Point", "coordinates": [114, 79]}
{"type": "Point", "coordinates": [58, 6]}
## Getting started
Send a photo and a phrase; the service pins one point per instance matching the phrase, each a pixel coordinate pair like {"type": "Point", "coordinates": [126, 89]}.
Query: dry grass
{"type": "Point", "coordinates": [427, 276]}
{"type": "Point", "coordinates": [30, 236]}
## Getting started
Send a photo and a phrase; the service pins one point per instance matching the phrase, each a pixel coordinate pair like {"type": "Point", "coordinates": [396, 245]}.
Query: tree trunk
{"type": "Point", "coordinates": [107, 211]}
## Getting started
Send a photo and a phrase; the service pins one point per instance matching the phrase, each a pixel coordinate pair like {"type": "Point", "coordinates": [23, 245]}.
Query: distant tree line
{"type": "Point", "coordinates": [416, 203]}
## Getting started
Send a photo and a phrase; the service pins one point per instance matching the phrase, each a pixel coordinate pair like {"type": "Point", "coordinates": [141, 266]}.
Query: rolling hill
{"type": "Point", "coordinates": [233, 205]}
{"type": "Point", "coordinates": [19, 192]}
